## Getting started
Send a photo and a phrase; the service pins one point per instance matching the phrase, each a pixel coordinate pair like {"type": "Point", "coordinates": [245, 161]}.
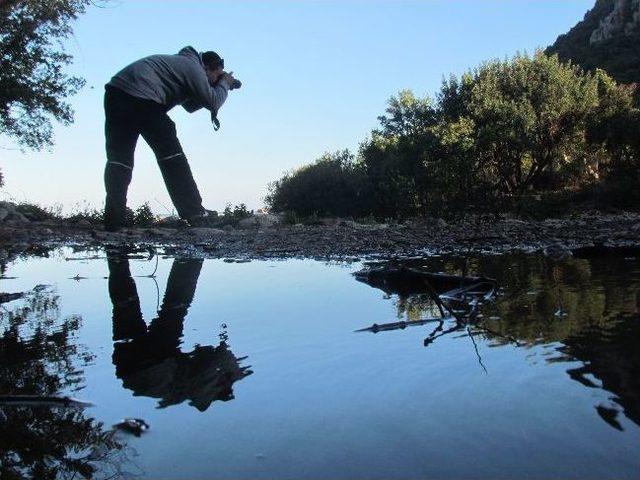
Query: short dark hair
{"type": "Point", "coordinates": [212, 60]}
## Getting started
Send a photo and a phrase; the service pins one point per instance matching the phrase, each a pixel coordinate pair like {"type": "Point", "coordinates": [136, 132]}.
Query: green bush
{"type": "Point", "coordinates": [491, 140]}
{"type": "Point", "coordinates": [143, 216]}
{"type": "Point", "coordinates": [333, 185]}
{"type": "Point", "coordinates": [236, 212]}
{"type": "Point", "coordinates": [85, 212]}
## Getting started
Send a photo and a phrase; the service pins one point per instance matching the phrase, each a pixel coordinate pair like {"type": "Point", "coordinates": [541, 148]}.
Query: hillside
{"type": "Point", "coordinates": [608, 37]}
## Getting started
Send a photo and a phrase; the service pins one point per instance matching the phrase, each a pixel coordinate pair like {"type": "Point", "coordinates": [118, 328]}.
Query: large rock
{"type": "Point", "coordinates": [10, 216]}
{"type": "Point", "coordinates": [264, 220]}
{"type": "Point", "coordinates": [6, 209]}
{"type": "Point", "coordinates": [606, 38]}
{"type": "Point", "coordinates": [16, 218]}
{"type": "Point", "coordinates": [623, 20]}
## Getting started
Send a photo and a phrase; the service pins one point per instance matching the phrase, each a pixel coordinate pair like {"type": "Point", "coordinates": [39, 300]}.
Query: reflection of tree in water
{"type": "Point", "coordinates": [415, 307]}
{"type": "Point", "coordinates": [611, 355]}
{"type": "Point", "coordinates": [148, 358]}
{"type": "Point", "coordinates": [39, 356]}
{"type": "Point", "coordinates": [599, 295]}
{"type": "Point", "coordinates": [600, 327]}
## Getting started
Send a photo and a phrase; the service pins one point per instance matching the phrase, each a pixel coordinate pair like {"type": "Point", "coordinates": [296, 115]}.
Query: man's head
{"type": "Point", "coordinates": [213, 66]}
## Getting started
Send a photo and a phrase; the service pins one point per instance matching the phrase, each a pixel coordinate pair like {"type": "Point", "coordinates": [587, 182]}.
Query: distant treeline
{"type": "Point", "coordinates": [528, 133]}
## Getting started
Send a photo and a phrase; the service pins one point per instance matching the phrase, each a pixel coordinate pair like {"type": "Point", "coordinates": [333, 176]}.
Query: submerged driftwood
{"type": "Point", "coordinates": [457, 297]}
{"type": "Point", "coordinates": [409, 280]}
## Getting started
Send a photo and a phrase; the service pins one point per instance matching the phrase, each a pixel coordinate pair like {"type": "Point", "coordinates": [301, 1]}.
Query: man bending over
{"type": "Point", "coordinates": [136, 102]}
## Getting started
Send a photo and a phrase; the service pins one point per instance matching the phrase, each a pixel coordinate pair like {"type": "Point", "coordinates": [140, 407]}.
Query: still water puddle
{"type": "Point", "coordinates": [255, 370]}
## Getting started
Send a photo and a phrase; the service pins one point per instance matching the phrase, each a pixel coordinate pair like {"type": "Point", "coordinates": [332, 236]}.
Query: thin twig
{"type": "Point", "coordinates": [475, 346]}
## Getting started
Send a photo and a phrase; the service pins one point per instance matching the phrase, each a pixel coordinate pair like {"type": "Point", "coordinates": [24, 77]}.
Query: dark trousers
{"type": "Point", "coordinates": [160, 340]}
{"type": "Point", "coordinates": [126, 118]}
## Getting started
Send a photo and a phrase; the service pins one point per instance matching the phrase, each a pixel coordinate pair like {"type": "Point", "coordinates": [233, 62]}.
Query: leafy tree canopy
{"type": "Point", "coordinates": [33, 84]}
{"type": "Point", "coordinates": [507, 130]}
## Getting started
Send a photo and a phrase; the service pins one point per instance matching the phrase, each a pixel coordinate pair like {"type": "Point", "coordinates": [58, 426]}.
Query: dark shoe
{"type": "Point", "coordinates": [207, 219]}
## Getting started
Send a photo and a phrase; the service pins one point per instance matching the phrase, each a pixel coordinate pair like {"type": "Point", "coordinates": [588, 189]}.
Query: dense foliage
{"type": "Point", "coordinates": [492, 139]}
{"type": "Point", "coordinates": [33, 84]}
{"type": "Point", "coordinates": [332, 185]}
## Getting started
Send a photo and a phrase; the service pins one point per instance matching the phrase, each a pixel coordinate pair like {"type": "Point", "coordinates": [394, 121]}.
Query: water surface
{"type": "Point", "coordinates": [253, 370]}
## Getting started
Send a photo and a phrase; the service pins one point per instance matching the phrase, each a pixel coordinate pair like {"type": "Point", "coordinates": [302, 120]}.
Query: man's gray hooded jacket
{"type": "Point", "coordinates": [172, 80]}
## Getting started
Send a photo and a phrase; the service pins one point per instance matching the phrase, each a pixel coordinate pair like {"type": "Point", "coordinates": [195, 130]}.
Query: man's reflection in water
{"type": "Point", "coordinates": [148, 358]}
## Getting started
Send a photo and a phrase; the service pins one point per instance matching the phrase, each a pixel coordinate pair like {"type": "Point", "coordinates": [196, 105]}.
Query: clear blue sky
{"type": "Point", "coordinates": [315, 77]}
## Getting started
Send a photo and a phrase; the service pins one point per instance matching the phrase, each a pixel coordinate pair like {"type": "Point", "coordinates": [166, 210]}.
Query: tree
{"type": "Point", "coordinates": [333, 185]}
{"type": "Point", "coordinates": [33, 84]}
{"type": "Point", "coordinates": [500, 136]}
{"type": "Point", "coordinates": [615, 127]}
{"type": "Point", "coordinates": [396, 156]}
{"type": "Point", "coordinates": [531, 116]}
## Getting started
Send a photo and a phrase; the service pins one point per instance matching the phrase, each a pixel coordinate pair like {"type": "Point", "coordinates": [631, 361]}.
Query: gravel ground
{"type": "Point", "coordinates": [337, 238]}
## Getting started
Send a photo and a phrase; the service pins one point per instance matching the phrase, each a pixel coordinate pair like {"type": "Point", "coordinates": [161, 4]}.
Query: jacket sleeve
{"type": "Point", "coordinates": [203, 94]}
{"type": "Point", "coordinates": [190, 105]}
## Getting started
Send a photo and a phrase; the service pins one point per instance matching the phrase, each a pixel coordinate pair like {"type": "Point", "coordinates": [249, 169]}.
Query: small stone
{"type": "Point", "coordinates": [260, 221]}
{"type": "Point", "coordinates": [135, 426]}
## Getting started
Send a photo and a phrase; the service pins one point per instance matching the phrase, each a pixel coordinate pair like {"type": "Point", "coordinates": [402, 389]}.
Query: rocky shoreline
{"type": "Point", "coordinates": [266, 236]}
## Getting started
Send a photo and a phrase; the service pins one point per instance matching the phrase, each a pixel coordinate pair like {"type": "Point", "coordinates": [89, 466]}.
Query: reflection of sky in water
{"type": "Point", "coordinates": [326, 402]}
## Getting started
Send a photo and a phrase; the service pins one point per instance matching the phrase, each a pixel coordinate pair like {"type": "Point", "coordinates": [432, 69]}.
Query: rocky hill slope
{"type": "Point", "coordinates": [608, 37]}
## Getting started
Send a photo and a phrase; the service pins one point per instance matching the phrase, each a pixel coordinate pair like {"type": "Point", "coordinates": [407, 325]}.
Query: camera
{"type": "Point", "coordinates": [234, 85]}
